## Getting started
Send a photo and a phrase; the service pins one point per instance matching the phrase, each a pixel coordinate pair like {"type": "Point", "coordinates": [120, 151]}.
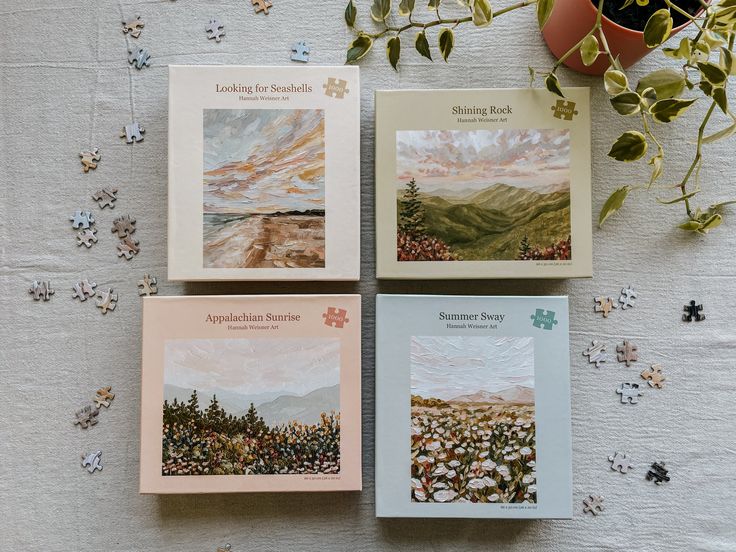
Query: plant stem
{"type": "Point", "coordinates": [448, 21]}
{"type": "Point", "coordinates": [698, 156]}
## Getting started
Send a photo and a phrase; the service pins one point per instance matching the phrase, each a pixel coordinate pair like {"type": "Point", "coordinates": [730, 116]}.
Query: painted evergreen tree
{"type": "Point", "coordinates": [524, 248]}
{"type": "Point", "coordinates": [411, 211]}
{"type": "Point", "coordinates": [255, 424]}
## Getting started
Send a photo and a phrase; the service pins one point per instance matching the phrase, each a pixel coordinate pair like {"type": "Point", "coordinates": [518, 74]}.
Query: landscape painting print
{"type": "Point", "coordinates": [483, 195]}
{"type": "Point", "coordinates": [264, 188]}
{"type": "Point", "coordinates": [472, 420]}
{"type": "Point", "coordinates": [251, 407]}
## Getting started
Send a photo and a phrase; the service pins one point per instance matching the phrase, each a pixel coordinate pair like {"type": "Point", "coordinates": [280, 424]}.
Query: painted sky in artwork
{"type": "Point", "coordinates": [477, 159]}
{"type": "Point", "coordinates": [253, 366]}
{"type": "Point", "coordinates": [445, 367]}
{"type": "Point", "coordinates": [263, 160]}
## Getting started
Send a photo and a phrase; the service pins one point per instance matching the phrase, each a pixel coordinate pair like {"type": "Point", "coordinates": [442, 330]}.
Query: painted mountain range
{"type": "Point", "coordinates": [516, 394]}
{"type": "Point", "coordinates": [489, 224]}
{"type": "Point", "coordinates": [276, 408]}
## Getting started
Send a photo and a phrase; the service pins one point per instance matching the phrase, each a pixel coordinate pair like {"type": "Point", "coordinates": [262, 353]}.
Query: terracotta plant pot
{"type": "Point", "coordinates": [571, 20]}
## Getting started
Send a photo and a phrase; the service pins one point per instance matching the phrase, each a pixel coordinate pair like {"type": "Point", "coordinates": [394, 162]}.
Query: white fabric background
{"type": "Point", "coordinates": [65, 85]}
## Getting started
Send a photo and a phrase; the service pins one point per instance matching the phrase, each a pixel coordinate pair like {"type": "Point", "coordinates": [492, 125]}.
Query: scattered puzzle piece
{"type": "Point", "coordinates": [128, 247]}
{"type": "Point", "coordinates": [89, 158]}
{"type": "Point", "coordinates": [83, 289]}
{"type": "Point", "coordinates": [225, 548]}
{"type": "Point", "coordinates": [86, 417]}
{"type": "Point", "coordinates": [215, 30]}
{"type": "Point", "coordinates": [148, 285]}
{"type": "Point", "coordinates": [658, 473]}
{"type": "Point", "coordinates": [106, 300]}
{"type": "Point", "coordinates": [92, 461]}
{"type": "Point", "coordinates": [82, 219]}
{"type": "Point", "coordinates": [133, 132]}
{"type": "Point", "coordinates": [103, 397]}
{"type": "Point", "coordinates": [628, 294]}
{"type": "Point", "coordinates": [105, 197]}
{"type": "Point", "coordinates": [593, 505]}
{"type": "Point", "coordinates": [123, 226]}
{"type": "Point", "coordinates": [564, 110]}
{"type": "Point", "coordinates": [604, 305]}
{"type": "Point", "coordinates": [693, 312]}
{"type": "Point", "coordinates": [595, 354]}
{"type": "Point", "coordinates": [628, 352]}
{"type": "Point", "coordinates": [629, 393]}
{"type": "Point", "coordinates": [261, 6]}
{"type": "Point", "coordinates": [337, 318]}
{"type": "Point", "coordinates": [300, 52]}
{"type": "Point", "coordinates": [336, 88]}
{"type": "Point", "coordinates": [133, 27]}
{"type": "Point", "coordinates": [543, 319]}
{"type": "Point", "coordinates": [139, 57]}
{"type": "Point", "coordinates": [41, 290]}
{"type": "Point", "coordinates": [87, 237]}
{"type": "Point", "coordinates": [654, 376]}
{"type": "Point", "coordinates": [621, 462]}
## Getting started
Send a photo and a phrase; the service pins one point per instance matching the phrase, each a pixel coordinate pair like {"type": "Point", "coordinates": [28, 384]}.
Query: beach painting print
{"type": "Point", "coordinates": [264, 188]}
{"type": "Point", "coordinates": [251, 407]}
{"type": "Point", "coordinates": [483, 195]}
{"type": "Point", "coordinates": [472, 420]}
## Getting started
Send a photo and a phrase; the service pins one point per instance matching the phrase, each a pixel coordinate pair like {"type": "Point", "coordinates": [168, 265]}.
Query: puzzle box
{"type": "Point", "coordinates": [264, 173]}
{"type": "Point", "coordinates": [250, 394]}
{"type": "Point", "coordinates": [483, 184]}
{"type": "Point", "coordinates": [472, 407]}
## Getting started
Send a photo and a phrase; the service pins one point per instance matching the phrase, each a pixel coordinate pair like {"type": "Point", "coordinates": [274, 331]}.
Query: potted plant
{"type": "Point", "coordinates": [623, 27]}
{"type": "Point", "coordinates": [698, 68]}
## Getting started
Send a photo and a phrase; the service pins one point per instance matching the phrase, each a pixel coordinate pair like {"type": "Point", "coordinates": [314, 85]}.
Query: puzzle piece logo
{"type": "Point", "coordinates": [564, 110]}
{"type": "Point", "coordinates": [336, 88]}
{"type": "Point", "coordinates": [337, 318]}
{"type": "Point", "coordinates": [543, 319]}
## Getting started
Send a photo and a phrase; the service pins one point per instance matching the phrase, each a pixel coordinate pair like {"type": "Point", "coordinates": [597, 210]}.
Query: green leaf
{"type": "Point", "coordinates": [726, 61]}
{"type": "Point", "coordinates": [615, 81]}
{"type": "Point", "coordinates": [482, 13]}
{"type": "Point", "coordinates": [544, 10]}
{"type": "Point", "coordinates": [657, 164]}
{"type": "Point", "coordinates": [666, 82]}
{"type": "Point", "coordinates": [658, 28]}
{"type": "Point", "coordinates": [719, 96]}
{"type": "Point", "coordinates": [350, 13]}
{"type": "Point", "coordinates": [406, 7]}
{"type": "Point", "coordinates": [422, 45]}
{"type": "Point", "coordinates": [678, 199]}
{"type": "Point", "coordinates": [393, 51]}
{"type": "Point", "coordinates": [446, 41]}
{"type": "Point", "coordinates": [724, 133]}
{"type": "Point", "coordinates": [630, 146]}
{"type": "Point", "coordinates": [359, 48]}
{"type": "Point", "coordinates": [711, 223]}
{"type": "Point", "coordinates": [683, 51]}
{"type": "Point", "coordinates": [712, 73]}
{"type": "Point", "coordinates": [627, 103]}
{"type": "Point", "coordinates": [648, 96]}
{"type": "Point", "coordinates": [668, 110]}
{"type": "Point", "coordinates": [589, 50]}
{"type": "Point", "coordinates": [553, 85]}
{"type": "Point", "coordinates": [380, 10]}
{"type": "Point", "coordinates": [613, 204]}
{"type": "Point", "coordinates": [690, 226]}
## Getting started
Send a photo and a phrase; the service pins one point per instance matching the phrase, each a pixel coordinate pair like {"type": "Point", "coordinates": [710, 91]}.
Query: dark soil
{"type": "Point", "coordinates": [635, 17]}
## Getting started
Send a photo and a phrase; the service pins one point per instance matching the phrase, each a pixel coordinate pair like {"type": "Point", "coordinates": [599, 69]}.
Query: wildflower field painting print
{"type": "Point", "coordinates": [260, 406]}
{"type": "Point", "coordinates": [264, 188]}
{"type": "Point", "coordinates": [472, 420]}
{"type": "Point", "coordinates": [483, 195]}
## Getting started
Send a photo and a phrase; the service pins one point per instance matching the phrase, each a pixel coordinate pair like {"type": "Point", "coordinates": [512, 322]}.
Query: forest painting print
{"type": "Point", "coordinates": [472, 420]}
{"type": "Point", "coordinates": [483, 195]}
{"type": "Point", "coordinates": [264, 188]}
{"type": "Point", "coordinates": [251, 407]}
